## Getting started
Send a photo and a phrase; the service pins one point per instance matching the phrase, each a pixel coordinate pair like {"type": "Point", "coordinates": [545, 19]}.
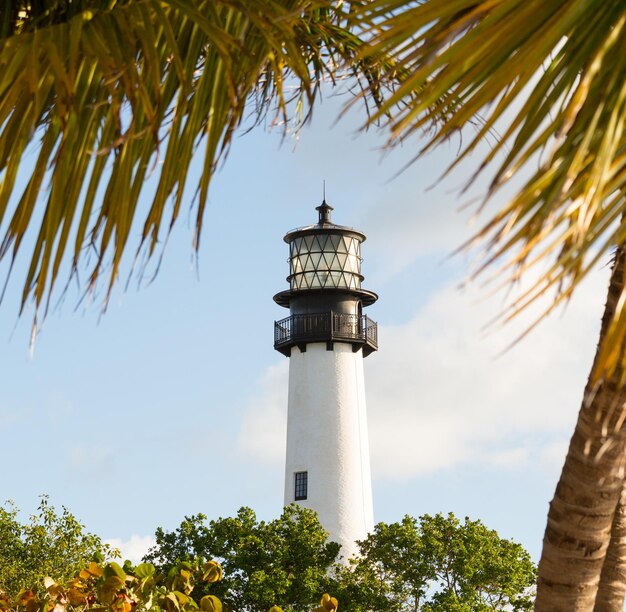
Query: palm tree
{"type": "Point", "coordinates": [575, 558]}
{"type": "Point", "coordinates": [111, 92]}
{"type": "Point", "coordinates": [551, 77]}
{"type": "Point", "coordinates": [612, 586]}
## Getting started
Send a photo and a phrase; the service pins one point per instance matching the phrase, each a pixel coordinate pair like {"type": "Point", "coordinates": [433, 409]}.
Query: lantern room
{"type": "Point", "coordinates": [325, 295]}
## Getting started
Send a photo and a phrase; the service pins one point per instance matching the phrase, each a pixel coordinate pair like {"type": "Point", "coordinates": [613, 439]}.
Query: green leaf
{"type": "Point", "coordinates": [145, 570]}
{"type": "Point", "coordinates": [113, 569]}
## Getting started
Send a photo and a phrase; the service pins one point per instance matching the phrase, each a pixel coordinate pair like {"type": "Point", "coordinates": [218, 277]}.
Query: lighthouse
{"type": "Point", "coordinates": [326, 336]}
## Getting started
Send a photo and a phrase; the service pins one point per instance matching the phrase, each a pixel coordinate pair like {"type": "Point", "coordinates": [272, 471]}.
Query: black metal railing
{"type": "Point", "coordinates": [326, 327]}
{"type": "Point", "coordinates": [371, 331]}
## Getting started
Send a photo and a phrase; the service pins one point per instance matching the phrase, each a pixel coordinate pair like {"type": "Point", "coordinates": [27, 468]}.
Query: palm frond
{"type": "Point", "coordinates": [108, 93]}
{"type": "Point", "coordinates": [552, 77]}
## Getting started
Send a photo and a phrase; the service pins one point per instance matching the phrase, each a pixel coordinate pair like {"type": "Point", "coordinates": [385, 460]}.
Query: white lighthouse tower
{"type": "Point", "coordinates": [326, 336]}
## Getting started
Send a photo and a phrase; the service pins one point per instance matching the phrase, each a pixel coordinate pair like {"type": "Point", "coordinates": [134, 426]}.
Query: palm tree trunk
{"type": "Point", "coordinates": [581, 513]}
{"type": "Point", "coordinates": [612, 588]}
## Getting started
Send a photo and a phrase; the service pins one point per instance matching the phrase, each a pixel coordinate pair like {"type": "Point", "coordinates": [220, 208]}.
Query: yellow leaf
{"type": "Point", "coordinates": [212, 572]}
{"type": "Point", "coordinates": [328, 603]}
{"type": "Point", "coordinates": [172, 601]}
{"type": "Point", "coordinates": [210, 603]}
{"type": "Point", "coordinates": [76, 596]}
{"type": "Point", "coordinates": [94, 569]}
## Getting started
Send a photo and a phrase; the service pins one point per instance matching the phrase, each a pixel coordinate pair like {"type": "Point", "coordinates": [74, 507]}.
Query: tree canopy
{"type": "Point", "coordinates": [287, 560]}
{"type": "Point", "coordinates": [50, 544]}
{"type": "Point", "coordinates": [438, 564]}
{"type": "Point", "coordinates": [434, 564]}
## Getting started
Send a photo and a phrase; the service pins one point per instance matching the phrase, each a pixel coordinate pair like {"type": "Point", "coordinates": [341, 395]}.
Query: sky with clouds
{"type": "Point", "coordinates": [173, 402]}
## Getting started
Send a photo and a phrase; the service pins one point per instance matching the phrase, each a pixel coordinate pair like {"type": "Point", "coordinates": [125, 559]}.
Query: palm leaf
{"type": "Point", "coordinates": [108, 93]}
{"type": "Point", "coordinates": [552, 77]}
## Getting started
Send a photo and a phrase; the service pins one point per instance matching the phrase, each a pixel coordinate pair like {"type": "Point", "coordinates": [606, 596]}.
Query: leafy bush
{"type": "Point", "coordinates": [50, 544]}
{"type": "Point", "coordinates": [109, 587]}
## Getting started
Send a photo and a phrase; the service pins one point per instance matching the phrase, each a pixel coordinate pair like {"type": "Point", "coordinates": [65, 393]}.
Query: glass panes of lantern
{"type": "Point", "coordinates": [325, 260]}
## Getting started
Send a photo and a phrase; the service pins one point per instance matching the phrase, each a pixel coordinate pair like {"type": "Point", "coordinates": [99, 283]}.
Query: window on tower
{"type": "Point", "coordinates": [301, 485]}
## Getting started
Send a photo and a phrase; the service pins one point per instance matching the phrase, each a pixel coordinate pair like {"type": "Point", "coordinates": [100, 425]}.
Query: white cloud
{"type": "Point", "coordinates": [134, 548]}
{"type": "Point", "coordinates": [439, 395]}
{"type": "Point", "coordinates": [264, 425]}
{"type": "Point", "coordinates": [509, 458]}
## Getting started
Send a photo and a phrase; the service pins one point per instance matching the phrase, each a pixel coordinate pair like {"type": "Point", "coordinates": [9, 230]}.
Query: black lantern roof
{"type": "Point", "coordinates": [324, 226]}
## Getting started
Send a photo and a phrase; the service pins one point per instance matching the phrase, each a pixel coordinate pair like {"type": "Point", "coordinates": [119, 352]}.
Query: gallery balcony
{"type": "Point", "coordinates": [300, 329]}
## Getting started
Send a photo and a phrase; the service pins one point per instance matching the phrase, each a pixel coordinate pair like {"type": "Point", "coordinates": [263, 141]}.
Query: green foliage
{"type": "Point", "coordinates": [240, 564]}
{"type": "Point", "coordinates": [437, 564]}
{"type": "Point", "coordinates": [286, 560]}
{"type": "Point", "coordinates": [50, 544]}
{"type": "Point", "coordinates": [432, 564]}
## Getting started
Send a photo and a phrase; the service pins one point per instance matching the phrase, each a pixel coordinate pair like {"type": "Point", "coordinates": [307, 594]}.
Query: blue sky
{"type": "Point", "coordinates": [174, 401]}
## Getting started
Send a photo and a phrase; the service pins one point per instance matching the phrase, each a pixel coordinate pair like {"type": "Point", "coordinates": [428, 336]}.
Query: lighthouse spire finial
{"type": "Point", "coordinates": [324, 209]}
